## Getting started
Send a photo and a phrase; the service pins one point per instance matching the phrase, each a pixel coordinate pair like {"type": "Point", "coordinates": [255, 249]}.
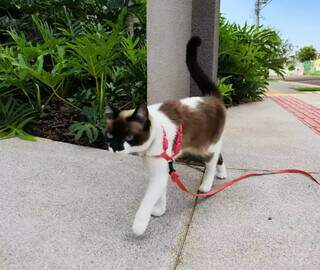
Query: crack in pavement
{"type": "Point", "coordinates": [183, 238]}
{"type": "Point", "coordinates": [181, 243]}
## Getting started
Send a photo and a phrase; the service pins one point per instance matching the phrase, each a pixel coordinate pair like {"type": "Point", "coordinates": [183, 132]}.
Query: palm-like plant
{"type": "Point", "coordinates": [246, 54]}
{"type": "Point", "coordinates": [94, 53]}
{"type": "Point", "coordinates": [91, 127]}
{"type": "Point", "coordinates": [14, 116]}
{"type": "Point", "coordinates": [44, 64]}
{"type": "Point", "coordinates": [136, 56]}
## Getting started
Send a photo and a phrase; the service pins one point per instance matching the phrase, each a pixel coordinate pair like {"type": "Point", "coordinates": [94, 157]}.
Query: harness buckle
{"type": "Point", "coordinates": [171, 168]}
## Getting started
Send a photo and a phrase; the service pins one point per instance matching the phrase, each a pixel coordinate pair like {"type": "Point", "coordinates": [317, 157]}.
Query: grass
{"type": "Point", "coordinates": [317, 73]}
{"type": "Point", "coordinates": [306, 89]}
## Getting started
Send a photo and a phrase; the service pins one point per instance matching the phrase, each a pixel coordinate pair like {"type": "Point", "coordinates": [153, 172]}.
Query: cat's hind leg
{"type": "Point", "coordinates": [211, 166]}
{"type": "Point", "coordinates": [221, 168]}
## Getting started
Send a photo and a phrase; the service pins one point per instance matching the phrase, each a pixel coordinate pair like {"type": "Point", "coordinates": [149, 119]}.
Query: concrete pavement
{"type": "Point", "coordinates": [68, 207]}
{"type": "Point", "coordinates": [270, 222]}
{"type": "Point", "coordinates": [280, 87]}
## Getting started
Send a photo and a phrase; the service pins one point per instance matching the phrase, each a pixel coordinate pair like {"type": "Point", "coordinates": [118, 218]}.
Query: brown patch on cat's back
{"type": "Point", "coordinates": [174, 110]}
{"type": "Point", "coordinates": [202, 125]}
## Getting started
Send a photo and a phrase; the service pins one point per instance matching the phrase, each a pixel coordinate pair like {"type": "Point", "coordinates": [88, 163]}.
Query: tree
{"type": "Point", "coordinates": [307, 53]}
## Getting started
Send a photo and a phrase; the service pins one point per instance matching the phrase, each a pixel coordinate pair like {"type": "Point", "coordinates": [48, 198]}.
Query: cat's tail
{"type": "Point", "coordinates": [206, 85]}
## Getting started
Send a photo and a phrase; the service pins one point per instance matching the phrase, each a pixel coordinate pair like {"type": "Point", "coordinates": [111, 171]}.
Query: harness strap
{"type": "Point", "coordinates": [176, 145]}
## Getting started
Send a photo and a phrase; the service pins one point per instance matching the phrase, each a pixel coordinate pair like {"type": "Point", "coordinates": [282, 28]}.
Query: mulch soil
{"type": "Point", "coordinates": [55, 122]}
{"type": "Point", "coordinates": [54, 125]}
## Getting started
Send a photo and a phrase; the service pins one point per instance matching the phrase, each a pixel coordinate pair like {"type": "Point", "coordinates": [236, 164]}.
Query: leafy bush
{"type": "Point", "coordinates": [291, 66]}
{"type": "Point", "coordinates": [69, 14]}
{"type": "Point", "coordinates": [225, 89]}
{"type": "Point", "coordinates": [307, 53]}
{"type": "Point", "coordinates": [91, 127]}
{"type": "Point", "coordinates": [246, 54]}
{"type": "Point", "coordinates": [83, 54]}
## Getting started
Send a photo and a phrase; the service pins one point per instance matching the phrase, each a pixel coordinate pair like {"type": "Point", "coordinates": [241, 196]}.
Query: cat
{"type": "Point", "coordinates": [140, 131]}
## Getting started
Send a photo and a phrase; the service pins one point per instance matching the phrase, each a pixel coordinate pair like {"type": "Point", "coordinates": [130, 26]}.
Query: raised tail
{"type": "Point", "coordinates": [206, 85]}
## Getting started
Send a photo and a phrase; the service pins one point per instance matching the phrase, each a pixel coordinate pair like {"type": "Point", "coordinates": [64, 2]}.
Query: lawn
{"type": "Point", "coordinates": [316, 73]}
{"type": "Point", "coordinates": [306, 89]}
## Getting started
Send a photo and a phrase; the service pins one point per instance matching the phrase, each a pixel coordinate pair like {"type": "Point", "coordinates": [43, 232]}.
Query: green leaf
{"type": "Point", "coordinates": [14, 117]}
{"type": "Point", "coordinates": [39, 63]}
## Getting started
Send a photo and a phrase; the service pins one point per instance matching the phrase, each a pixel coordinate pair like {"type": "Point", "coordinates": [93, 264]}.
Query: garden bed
{"type": "Point", "coordinates": [55, 124]}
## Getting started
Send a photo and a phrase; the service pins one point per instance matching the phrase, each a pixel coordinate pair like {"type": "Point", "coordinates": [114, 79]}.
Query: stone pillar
{"type": "Point", "coordinates": [168, 31]}
{"type": "Point", "coordinates": [205, 23]}
{"type": "Point", "coordinates": [169, 27]}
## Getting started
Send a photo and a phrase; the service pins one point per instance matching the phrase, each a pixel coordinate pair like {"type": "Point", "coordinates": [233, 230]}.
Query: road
{"type": "Point", "coordinates": [305, 79]}
{"type": "Point", "coordinates": [287, 87]}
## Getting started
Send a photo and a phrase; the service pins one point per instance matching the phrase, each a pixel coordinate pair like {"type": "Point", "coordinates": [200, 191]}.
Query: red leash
{"type": "Point", "coordinates": [176, 179]}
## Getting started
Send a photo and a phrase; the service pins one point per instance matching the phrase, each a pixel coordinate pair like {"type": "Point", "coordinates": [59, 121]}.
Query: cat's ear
{"type": "Point", "coordinates": [111, 112]}
{"type": "Point", "coordinates": [141, 113]}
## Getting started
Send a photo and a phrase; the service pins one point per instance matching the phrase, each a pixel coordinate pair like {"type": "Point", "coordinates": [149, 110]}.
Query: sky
{"type": "Point", "coordinates": [296, 20]}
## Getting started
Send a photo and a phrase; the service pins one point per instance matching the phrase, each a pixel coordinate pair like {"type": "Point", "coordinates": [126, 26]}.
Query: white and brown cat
{"type": "Point", "coordinates": [141, 131]}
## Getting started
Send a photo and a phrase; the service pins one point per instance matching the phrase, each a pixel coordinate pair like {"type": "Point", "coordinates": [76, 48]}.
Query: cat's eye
{"type": "Point", "coordinates": [109, 135]}
{"type": "Point", "coordinates": [129, 138]}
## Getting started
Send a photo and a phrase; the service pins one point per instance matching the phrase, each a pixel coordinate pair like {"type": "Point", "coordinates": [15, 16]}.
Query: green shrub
{"type": "Point", "coordinates": [225, 89]}
{"type": "Point", "coordinates": [307, 53]}
{"type": "Point", "coordinates": [91, 127]}
{"type": "Point", "coordinates": [290, 66]}
{"type": "Point", "coordinates": [60, 13]}
{"type": "Point", "coordinates": [246, 54]}
{"type": "Point", "coordinates": [83, 54]}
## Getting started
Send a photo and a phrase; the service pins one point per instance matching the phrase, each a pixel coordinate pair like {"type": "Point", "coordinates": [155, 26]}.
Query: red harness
{"type": "Point", "coordinates": [176, 179]}
{"type": "Point", "coordinates": [176, 145]}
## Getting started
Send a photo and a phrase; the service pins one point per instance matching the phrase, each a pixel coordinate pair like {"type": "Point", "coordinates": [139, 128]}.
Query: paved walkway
{"type": "Point", "coordinates": [308, 114]}
{"type": "Point", "coordinates": [67, 207]}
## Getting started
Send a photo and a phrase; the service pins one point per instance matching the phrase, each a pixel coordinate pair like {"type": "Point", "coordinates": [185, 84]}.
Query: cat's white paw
{"type": "Point", "coordinates": [221, 172]}
{"type": "Point", "coordinates": [221, 175]}
{"type": "Point", "coordinates": [205, 187]}
{"type": "Point", "coordinates": [139, 226]}
{"type": "Point", "coordinates": [158, 211]}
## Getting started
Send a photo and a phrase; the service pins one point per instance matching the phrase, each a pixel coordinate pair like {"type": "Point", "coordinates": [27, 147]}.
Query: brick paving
{"type": "Point", "coordinates": [306, 113]}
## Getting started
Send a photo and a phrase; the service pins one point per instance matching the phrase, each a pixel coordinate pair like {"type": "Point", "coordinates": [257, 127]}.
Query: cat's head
{"type": "Point", "coordinates": [127, 131]}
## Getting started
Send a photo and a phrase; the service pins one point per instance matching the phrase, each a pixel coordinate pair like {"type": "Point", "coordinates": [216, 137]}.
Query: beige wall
{"type": "Point", "coordinates": [168, 30]}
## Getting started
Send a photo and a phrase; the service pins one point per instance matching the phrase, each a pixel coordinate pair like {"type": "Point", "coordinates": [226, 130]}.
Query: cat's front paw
{"type": "Point", "coordinates": [205, 187]}
{"type": "Point", "coordinates": [140, 225]}
{"type": "Point", "coordinates": [158, 211]}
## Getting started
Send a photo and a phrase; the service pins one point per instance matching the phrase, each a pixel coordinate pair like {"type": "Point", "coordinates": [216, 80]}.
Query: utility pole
{"type": "Point", "coordinates": [260, 4]}
{"type": "Point", "coordinates": [257, 12]}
